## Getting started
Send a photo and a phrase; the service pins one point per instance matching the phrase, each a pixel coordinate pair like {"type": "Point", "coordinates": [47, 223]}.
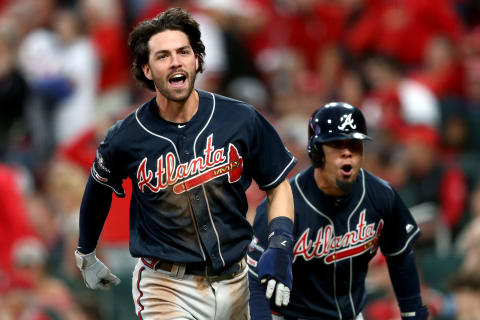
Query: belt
{"type": "Point", "coordinates": [198, 269]}
{"type": "Point", "coordinates": [280, 317]}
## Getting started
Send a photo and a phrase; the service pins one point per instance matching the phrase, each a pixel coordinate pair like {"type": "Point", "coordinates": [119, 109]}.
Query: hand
{"type": "Point", "coordinates": [282, 296]}
{"type": "Point", "coordinates": [419, 314]}
{"type": "Point", "coordinates": [275, 269]}
{"type": "Point", "coordinates": [95, 274]}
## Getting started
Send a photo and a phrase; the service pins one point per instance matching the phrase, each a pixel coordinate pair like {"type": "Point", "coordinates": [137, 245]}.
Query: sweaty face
{"type": "Point", "coordinates": [172, 65]}
{"type": "Point", "coordinates": [343, 160]}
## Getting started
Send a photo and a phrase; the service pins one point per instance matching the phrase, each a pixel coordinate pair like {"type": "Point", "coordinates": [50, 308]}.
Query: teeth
{"type": "Point", "coordinates": [177, 76]}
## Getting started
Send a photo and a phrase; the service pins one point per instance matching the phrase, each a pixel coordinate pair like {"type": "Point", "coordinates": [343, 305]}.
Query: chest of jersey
{"type": "Point", "coordinates": [331, 230]}
{"type": "Point", "coordinates": [163, 156]}
{"type": "Point", "coordinates": [334, 242]}
{"type": "Point", "coordinates": [187, 164]}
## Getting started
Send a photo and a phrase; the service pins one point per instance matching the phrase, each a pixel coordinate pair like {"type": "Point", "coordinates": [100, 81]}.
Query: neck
{"type": "Point", "coordinates": [327, 187]}
{"type": "Point", "coordinates": [178, 111]}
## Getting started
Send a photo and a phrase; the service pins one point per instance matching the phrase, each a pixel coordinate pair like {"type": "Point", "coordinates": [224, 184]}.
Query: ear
{"type": "Point", "coordinates": [196, 63]}
{"type": "Point", "coordinates": [147, 72]}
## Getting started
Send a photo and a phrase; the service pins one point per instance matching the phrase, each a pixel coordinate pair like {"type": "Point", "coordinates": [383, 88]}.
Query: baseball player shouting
{"type": "Point", "coordinates": [191, 155]}
{"type": "Point", "coordinates": [343, 214]}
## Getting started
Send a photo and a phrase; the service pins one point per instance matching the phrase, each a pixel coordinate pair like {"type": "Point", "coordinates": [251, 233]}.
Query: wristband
{"type": "Point", "coordinates": [280, 225]}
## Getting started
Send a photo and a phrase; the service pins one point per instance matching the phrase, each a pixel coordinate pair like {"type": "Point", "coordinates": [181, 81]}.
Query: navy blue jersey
{"type": "Point", "coordinates": [189, 180]}
{"type": "Point", "coordinates": [335, 240]}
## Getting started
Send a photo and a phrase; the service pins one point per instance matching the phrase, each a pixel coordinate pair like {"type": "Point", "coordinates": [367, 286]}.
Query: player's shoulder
{"type": "Point", "coordinates": [124, 124]}
{"type": "Point", "coordinates": [228, 104]}
{"type": "Point", "coordinates": [122, 128]}
{"type": "Point", "coordinates": [302, 182]}
{"type": "Point", "coordinates": [376, 185]}
{"type": "Point", "coordinates": [228, 101]}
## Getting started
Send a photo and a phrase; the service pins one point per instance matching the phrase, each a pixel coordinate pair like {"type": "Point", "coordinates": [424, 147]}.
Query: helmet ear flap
{"type": "Point", "coordinates": [315, 151]}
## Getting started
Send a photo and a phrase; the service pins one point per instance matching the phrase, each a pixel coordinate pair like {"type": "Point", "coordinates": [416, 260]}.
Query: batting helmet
{"type": "Point", "coordinates": [334, 121]}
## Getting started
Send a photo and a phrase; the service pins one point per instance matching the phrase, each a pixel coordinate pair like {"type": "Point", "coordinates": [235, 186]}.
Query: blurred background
{"type": "Point", "coordinates": [412, 66]}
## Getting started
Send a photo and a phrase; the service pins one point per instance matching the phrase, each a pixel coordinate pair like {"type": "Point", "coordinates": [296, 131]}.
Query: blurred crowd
{"type": "Point", "coordinates": [411, 66]}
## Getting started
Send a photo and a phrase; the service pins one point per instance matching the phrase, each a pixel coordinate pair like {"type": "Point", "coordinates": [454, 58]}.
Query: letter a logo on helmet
{"type": "Point", "coordinates": [346, 120]}
{"type": "Point", "coordinates": [331, 122]}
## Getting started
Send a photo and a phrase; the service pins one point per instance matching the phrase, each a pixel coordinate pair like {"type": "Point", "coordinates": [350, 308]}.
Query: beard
{"type": "Point", "coordinates": [345, 186]}
{"type": "Point", "coordinates": [173, 94]}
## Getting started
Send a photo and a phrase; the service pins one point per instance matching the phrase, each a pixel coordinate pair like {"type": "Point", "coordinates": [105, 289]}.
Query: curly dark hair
{"type": "Point", "coordinates": [171, 19]}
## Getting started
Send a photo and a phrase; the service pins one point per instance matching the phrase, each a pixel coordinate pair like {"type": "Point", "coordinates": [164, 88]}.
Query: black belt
{"type": "Point", "coordinates": [358, 317]}
{"type": "Point", "coordinates": [198, 269]}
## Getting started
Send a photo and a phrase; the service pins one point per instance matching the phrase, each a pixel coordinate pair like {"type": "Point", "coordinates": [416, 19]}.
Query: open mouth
{"type": "Point", "coordinates": [177, 80]}
{"type": "Point", "coordinates": [346, 169]}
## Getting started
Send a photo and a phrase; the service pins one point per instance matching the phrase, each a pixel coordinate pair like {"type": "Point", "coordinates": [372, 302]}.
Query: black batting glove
{"type": "Point", "coordinates": [420, 313]}
{"type": "Point", "coordinates": [275, 264]}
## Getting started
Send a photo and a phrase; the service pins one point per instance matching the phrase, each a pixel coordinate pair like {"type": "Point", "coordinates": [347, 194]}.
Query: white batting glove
{"type": "Point", "coordinates": [282, 293]}
{"type": "Point", "coordinates": [95, 274]}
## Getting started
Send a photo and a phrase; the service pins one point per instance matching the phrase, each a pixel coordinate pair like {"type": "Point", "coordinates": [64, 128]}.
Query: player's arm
{"type": "Point", "coordinates": [280, 201]}
{"type": "Point", "coordinates": [406, 285]}
{"type": "Point", "coordinates": [275, 265]}
{"type": "Point", "coordinates": [94, 209]}
{"type": "Point", "coordinates": [398, 236]}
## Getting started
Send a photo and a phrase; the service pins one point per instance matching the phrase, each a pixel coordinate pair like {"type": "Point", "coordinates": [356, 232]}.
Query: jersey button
{"type": "Point", "coordinates": [197, 197]}
{"type": "Point", "coordinates": [204, 227]}
{"type": "Point", "coordinates": [186, 152]}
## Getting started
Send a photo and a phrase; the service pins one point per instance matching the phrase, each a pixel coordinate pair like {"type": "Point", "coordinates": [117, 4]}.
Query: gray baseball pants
{"type": "Point", "coordinates": [160, 294]}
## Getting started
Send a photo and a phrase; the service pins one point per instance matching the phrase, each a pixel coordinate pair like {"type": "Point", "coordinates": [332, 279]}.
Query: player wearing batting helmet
{"type": "Point", "coordinates": [191, 155]}
{"type": "Point", "coordinates": [343, 214]}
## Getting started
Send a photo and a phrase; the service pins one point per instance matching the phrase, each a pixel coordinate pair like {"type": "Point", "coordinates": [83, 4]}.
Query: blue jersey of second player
{"type": "Point", "coordinates": [335, 240]}
{"type": "Point", "coordinates": [188, 201]}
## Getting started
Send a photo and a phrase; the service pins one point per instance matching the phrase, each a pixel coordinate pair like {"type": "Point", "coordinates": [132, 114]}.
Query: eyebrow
{"type": "Point", "coordinates": [166, 51]}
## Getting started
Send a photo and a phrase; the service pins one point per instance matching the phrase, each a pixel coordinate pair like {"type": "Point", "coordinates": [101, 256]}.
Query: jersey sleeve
{"type": "Point", "coordinates": [272, 160]}
{"type": "Point", "coordinates": [400, 230]}
{"type": "Point", "coordinates": [105, 166]}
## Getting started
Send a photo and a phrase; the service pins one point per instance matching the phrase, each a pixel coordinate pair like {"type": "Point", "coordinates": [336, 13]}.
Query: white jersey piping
{"type": "Point", "coordinates": [348, 224]}
{"type": "Point", "coordinates": [334, 236]}
{"type": "Point", "coordinates": [276, 179]}
{"type": "Point", "coordinates": [157, 135]}
{"type": "Point", "coordinates": [203, 186]}
{"type": "Point", "coordinates": [404, 247]}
